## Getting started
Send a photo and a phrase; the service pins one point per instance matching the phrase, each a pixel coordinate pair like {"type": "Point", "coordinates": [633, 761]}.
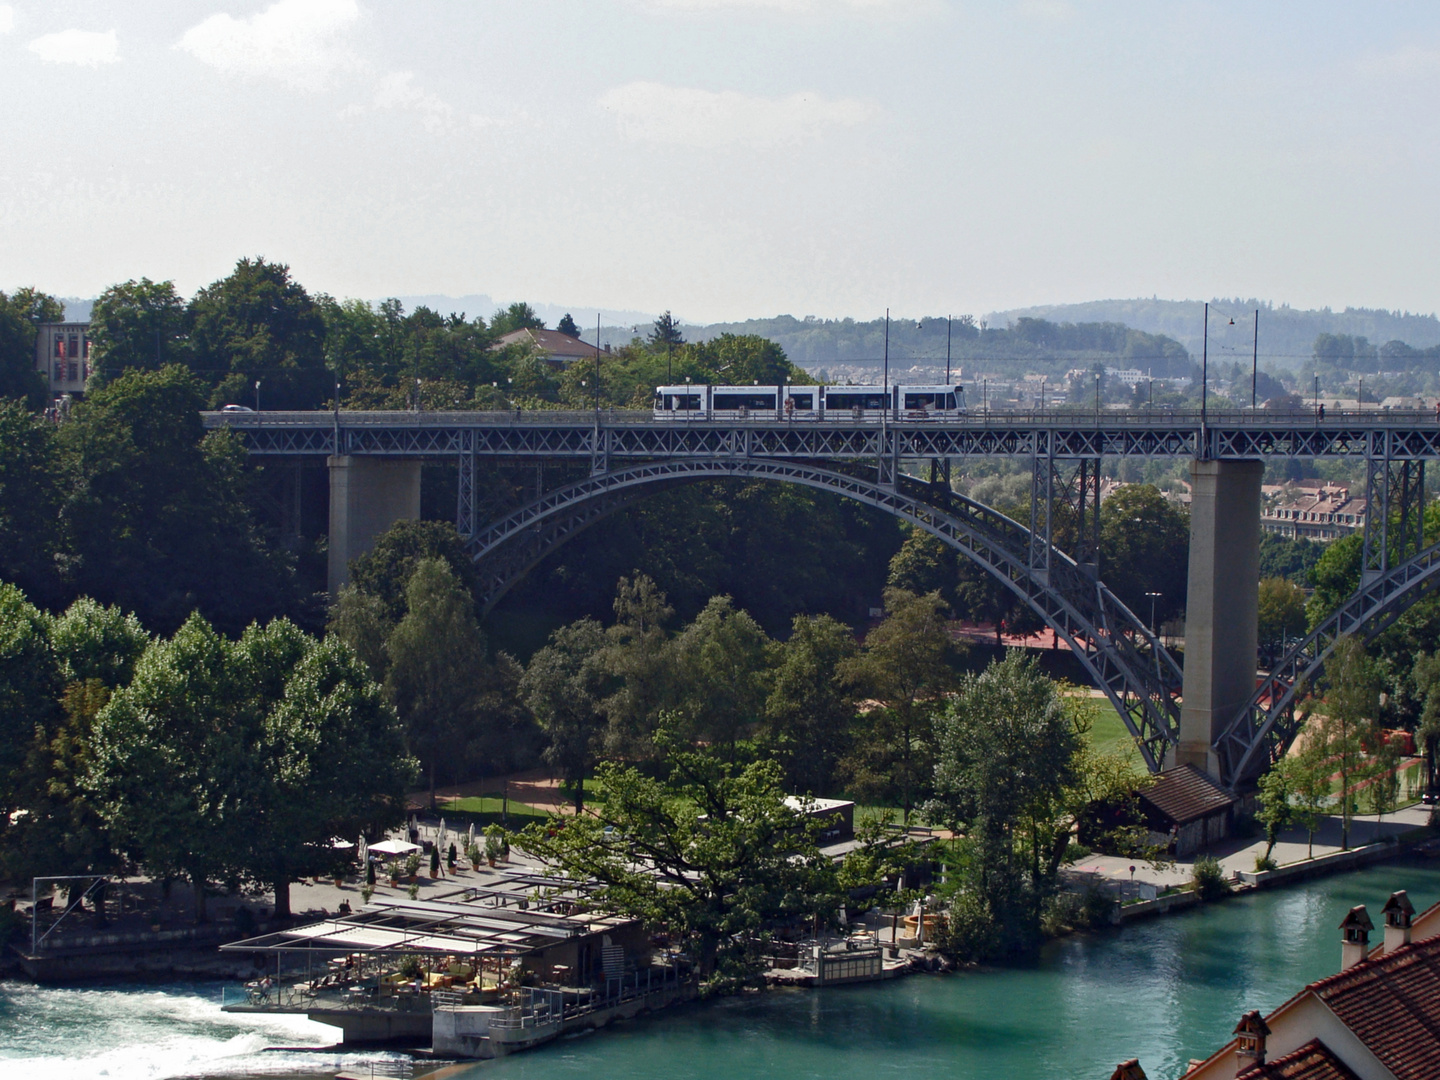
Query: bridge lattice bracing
{"type": "Point", "coordinates": [630, 455]}
{"type": "Point", "coordinates": [1139, 676]}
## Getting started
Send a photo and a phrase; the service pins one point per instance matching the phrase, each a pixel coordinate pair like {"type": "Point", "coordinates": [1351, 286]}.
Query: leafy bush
{"type": "Point", "coordinates": [1068, 911]}
{"type": "Point", "coordinates": [1208, 878]}
{"type": "Point", "coordinates": [1263, 863]}
{"type": "Point", "coordinates": [970, 931]}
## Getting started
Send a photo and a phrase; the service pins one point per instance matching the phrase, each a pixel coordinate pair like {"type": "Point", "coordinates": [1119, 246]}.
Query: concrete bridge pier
{"type": "Point", "coordinates": [1220, 614]}
{"type": "Point", "coordinates": [367, 496]}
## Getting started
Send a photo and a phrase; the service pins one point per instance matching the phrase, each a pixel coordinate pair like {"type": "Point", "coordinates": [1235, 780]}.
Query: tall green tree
{"type": "Point", "coordinates": [665, 334]}
{"type": "Point", "coordinates": [384, 571]}
{"type": "Point", "coordinates": [568, 326]}
{"type": "Point", "coordinates": [518, 316]}
{"type": "Point", "coordinates": [564, 687]}
{"type": "Point", "coordinates": [30, 686]}
{"type": "Point", "coordinates": [641, 661]}
{"type": "Point", "coordinates": [1352, 702]}
{"type": "Point", "coordinates": [1145, 548]}
{"type": "Point", "coordinates": [707, 851]}
{"type": "Point", "coordinates": [260, 325]}
{"type": "Point", "coordinates": [906, 665]}
{"type": "Point", "coordinates": [722, 654]}
{"type": "Point", "coordinates": [810, 712]}
{"type": "Point", "coordinates": [1281, 611]}
{"type": "Point", "coordinates": [925, 564]}
{"type": "Point", "coordinates": [137, 326]}
{"type": "Point", "coordinates": [155, 513]}
{"type": "Point", "coordinates": [30, 494]}
{"type": "Point", "coordinates": [171, 765]}
{"type": "Point", "coordinates": [329, 755]}
{"type": "Point", "coordinates": [1007, 756]}
{"type": "Point", "coordinates": [437, 666]}
{"type": "Point", "coordinates": [21, 313]}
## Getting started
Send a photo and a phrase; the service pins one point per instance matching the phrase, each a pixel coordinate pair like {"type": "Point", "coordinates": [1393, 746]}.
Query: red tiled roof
{"type": "Point", "coordinates": [1392, 1004]}
{"type": "Point", "coordinates": [1184, 794]}
{"type": "Point", "coordinates": [551, 342]}
{"type": "Point", "coordinates": [1313, 1061]}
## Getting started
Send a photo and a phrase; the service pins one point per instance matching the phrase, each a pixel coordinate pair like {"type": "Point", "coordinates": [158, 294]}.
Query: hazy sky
{"type": "Point", "coordinates": [729, 158]}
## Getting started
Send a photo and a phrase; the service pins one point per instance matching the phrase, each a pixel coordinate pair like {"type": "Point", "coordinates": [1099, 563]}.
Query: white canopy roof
{"type": "Point", "coordinates": [393, 847]}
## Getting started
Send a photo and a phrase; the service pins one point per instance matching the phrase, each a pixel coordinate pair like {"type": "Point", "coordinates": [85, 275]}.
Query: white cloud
{"type": "Point", "coordinates": [802, 7]}
{"type": "Point", "coordinates": [299, 42]}
{"type": "Point", "coordinates": [397, 91]}
{"type": "Point", "coordinates": [88, 48]}
{"type": "Point", "coordinates": [7, 18]}
{"type": "Point", "coordinates": [653, 112]}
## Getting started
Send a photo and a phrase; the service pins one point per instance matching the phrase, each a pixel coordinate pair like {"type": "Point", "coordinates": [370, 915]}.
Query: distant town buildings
{"type": "Point", "coordinates": [1311, 510]}
{"type": "Point", "coordinates": [62, 355]}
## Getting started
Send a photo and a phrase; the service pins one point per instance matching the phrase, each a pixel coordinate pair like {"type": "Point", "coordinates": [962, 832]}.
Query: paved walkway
{"type": "Point", "coordinates": [1240, 854]}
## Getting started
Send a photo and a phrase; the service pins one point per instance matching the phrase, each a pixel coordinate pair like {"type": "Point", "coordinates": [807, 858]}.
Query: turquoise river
{"type": "Point", "coordinates": [1164, 990]}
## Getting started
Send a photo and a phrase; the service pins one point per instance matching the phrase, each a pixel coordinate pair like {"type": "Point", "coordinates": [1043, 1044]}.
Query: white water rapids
{"type": "Point", "coordinates": [138, 1032]}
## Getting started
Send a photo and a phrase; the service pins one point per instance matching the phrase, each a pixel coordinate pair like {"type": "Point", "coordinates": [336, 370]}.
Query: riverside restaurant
{"type": "Point", "coordinates": [473, 972]}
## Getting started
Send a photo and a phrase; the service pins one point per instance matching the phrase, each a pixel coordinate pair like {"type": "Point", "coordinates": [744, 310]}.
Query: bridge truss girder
{"type": "Point", "coordinates": [1138, 675]}
{"type": "Point", "coordinates": [1396, 571]}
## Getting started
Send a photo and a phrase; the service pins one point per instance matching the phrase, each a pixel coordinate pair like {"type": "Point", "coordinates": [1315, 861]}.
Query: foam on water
{"type": "Point", "coordinates": [151, 1033]}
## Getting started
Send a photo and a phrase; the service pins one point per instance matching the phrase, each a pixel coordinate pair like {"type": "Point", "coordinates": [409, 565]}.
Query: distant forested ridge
{"type": "Point", "coordinates": [1024, 345]}
{"type": "Point", "coordinates": [1287, 335]}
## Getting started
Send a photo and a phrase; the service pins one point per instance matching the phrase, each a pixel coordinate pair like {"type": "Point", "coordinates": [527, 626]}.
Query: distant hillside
{"type": "Point", "coordinates": [1287, 335]}
{"type": "Point", "coordinates": [846, 348]}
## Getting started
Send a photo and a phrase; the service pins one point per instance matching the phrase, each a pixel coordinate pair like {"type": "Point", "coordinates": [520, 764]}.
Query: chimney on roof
{"type": "Point", "coordinates": [1129, 1070]}
{"type": "Point", "coordinates": [1356, 942]}
{"type": "Point", "coordinates": [1399, 917]}
{"type": "Point", "coordinates": [1250, 1041]}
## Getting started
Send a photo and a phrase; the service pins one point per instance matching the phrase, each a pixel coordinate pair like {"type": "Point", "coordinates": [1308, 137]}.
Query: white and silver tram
{"type": "Point", "coordinates": [790, 402]}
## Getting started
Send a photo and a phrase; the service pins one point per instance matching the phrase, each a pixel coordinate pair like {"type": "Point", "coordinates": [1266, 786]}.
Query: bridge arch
{"type": "Point", "coordinates": [1119, 653]}
{"type": "Point", "coordinates": [1263, 730]}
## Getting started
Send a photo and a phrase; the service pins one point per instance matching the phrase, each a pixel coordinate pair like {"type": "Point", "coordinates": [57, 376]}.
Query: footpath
{"type": "Point", "coordinates": [1295, 856]}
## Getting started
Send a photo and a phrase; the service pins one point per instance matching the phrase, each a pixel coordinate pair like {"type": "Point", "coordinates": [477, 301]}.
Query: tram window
{"type": "Point", "coordinates": [854, 401]}
{"type": "Point", "coordinates": [744, 401]}
{"type": "Point", "coordinates": [803, 402]}
{"type": "Point", "coordinates": [682, 401]}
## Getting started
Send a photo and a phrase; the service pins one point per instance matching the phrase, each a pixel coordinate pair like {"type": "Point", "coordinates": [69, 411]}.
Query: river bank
{"type": "Point", "coordinates": [1165, 990]}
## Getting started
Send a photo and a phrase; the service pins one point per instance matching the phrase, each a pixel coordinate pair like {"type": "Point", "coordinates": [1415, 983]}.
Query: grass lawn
{"type": "Point", "coordinates": [486, 810]}
{"type": "Point", "coordinates": [1110, 733]}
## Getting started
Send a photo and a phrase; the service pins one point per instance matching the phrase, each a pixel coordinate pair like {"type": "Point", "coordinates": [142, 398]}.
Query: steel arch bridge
{"type": "Point", "coordinates": [1139, 676]}
{"type": "Point", "coordinates": [631, 455]}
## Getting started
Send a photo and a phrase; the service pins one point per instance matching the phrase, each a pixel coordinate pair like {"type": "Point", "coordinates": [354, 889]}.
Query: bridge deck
{"type": "Point", "coordinates": [1237, 434]}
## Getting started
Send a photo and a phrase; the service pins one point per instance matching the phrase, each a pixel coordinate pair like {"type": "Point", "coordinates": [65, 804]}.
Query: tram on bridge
{"type": "Point", "coordinates": [790, 402]}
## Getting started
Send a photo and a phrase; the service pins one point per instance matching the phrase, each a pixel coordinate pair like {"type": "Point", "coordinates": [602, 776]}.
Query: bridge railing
{"type": "Point", "coordinates": [1141, 417]}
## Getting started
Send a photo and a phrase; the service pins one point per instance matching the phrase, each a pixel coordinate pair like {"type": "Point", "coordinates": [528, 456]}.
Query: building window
{"type": "Point", "coordinates": [74, 370]}
{"type": "Point", "coordinates": [74, 349]}
{"type": "Point", "coordinates": [59, 345]}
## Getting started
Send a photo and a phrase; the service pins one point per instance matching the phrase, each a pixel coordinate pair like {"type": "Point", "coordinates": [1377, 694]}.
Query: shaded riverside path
{"type": "Point", "coordinates": [1165, 990]}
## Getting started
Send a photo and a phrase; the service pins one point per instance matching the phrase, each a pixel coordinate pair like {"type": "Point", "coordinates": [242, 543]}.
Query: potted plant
{"type": "Point", "coordinates": [434, 863]}
{"type": "Point", "coordinates": [492, 846]}
{"type": "Point", "coordinates": [370, 874]}
{"type": "Point", "coordinates": [412, 865]}
{"type": "Point", "coordinates": [474, 855]}
{"type": "Point", "coordinates": [366, 891]}
{"type": "Point", "coordinates": [450, 858]}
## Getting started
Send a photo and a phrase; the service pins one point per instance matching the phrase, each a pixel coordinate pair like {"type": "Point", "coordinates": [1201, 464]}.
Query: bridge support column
{"type": "Point", "coordinates": [367, 496]}
{"type": "Point", "coordinates": [1220, 613]}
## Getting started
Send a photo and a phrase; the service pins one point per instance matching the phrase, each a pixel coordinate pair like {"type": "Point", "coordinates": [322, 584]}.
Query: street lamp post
{"type": "Point", "coordinates": [257, 395]}
{"type": "Point", "coordinates": [1153, 597]}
